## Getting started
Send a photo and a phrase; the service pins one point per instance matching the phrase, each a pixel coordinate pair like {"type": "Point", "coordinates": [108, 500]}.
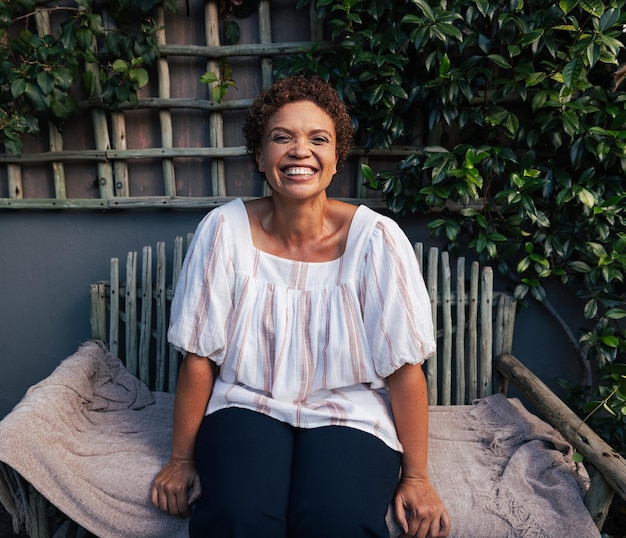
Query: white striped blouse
{"type": "Point", "coordinates": [308, 343]}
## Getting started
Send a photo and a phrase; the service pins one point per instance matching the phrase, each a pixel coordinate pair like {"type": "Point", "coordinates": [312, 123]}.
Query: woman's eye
{"type": "Point", "coordinates": [320, 140]}
{"type": "Point", "coordinates": [281, 139]}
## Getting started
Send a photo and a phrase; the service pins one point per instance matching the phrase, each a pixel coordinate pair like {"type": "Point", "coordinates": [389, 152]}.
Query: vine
{"type": "Point", "coordinates": [45, 72]}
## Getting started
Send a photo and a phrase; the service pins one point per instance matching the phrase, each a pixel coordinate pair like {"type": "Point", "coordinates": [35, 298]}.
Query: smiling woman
{"type": "Point", "coordinates": [304, 329]}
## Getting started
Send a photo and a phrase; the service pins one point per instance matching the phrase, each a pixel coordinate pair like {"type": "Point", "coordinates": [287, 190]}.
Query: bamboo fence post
{"type": "Point", "coordinates": [446, 320]}
{"type": "Point", "coordinates": [145, 325]}
{"type": "Point", "coordinates": [486, 333]}
{"type": "Point", "coordinates": [431, 285]}
{"type": "Point", "coordinates": [173, 353]}
{"type": "Point", "coordinates": [316, 25]}
{"type": "Point", "coordinates": [98, 310]}
{"type": "Point", "coordinates": [161, 317]}
{"type": "Point", "coordinates": [472, 321]}
{"type": "Point", "coordinates": [131, 312]}
{"type": "Point", "coordinates": [114, 307]}
{"type": "Point", "coordinates": [460, 331]}
{"type": "Point", "coordinates": [118, 125]}
{"type": "Point", "coordinates": [418, 248]}
{"type": "Point", "coordinates": [265, 37]}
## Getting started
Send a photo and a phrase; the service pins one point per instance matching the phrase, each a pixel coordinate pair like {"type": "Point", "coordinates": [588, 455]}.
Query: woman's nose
{"type": "Point", "coordinates": [300, 147]}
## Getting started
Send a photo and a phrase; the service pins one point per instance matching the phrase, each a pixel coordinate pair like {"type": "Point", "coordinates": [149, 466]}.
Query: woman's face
{"type": "Point", "coordinates": [298, 151]}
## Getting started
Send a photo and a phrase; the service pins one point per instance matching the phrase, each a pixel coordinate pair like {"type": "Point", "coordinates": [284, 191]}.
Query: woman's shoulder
{"type": "Point", "coordinates": [230, 212]}
{"type": "Point", "coordinates": [373, 224]}
{"type": "Point", "coordinates": [219, 225]}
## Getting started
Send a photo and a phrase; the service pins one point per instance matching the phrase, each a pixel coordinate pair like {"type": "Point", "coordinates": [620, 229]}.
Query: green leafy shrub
{"type": "Point", "coordinates": [518, 116]}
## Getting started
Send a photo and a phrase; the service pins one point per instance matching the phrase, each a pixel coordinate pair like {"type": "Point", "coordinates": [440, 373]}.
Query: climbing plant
{"type": "Point", "coordinates": [46, 70]}
{"type": "Point", "coordinates": [517, 111]}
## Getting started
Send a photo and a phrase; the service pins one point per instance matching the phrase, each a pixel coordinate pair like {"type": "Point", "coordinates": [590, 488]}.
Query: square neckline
{"type": "Point", "coordinates": [269, 255]}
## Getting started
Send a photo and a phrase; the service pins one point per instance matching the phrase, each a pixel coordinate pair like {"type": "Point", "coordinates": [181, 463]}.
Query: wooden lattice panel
{"type": "Point", "coordinates": [177, 147]}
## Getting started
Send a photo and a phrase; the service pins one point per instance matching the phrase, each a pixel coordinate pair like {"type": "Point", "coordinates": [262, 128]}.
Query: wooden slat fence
{"type": "Point", "coordinates": [177, 147]}
{"type": "Point", "coordinates": [464, 308]}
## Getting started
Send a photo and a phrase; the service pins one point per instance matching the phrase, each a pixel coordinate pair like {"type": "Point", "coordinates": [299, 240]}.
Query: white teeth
{"type": "Point", "coordinates": [295, 171]}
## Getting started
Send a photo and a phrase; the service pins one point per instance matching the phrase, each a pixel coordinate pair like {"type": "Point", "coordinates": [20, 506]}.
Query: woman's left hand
{"type": "Point", "coordinates": [419, 511]}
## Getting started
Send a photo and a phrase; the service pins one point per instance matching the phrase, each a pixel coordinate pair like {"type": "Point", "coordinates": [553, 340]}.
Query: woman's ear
{"type": "Point", "coordinates": [260, 163]}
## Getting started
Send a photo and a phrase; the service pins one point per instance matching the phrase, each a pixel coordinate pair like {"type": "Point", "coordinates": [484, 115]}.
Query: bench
{"type": "Point", "coordinates": [474, 326]}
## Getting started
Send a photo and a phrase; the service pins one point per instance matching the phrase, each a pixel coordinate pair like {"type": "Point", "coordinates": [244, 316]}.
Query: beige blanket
{"type": "Point", "coordinates": [91, 437]}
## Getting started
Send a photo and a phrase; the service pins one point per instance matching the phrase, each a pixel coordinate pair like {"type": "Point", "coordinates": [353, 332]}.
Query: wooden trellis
{"type": "Point", "coordinates": [177, 147]}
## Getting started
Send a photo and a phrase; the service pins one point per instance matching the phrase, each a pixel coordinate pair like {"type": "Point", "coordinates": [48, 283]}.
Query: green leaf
{"type": "Point", "coordinates": [444, 66]}
{"type": "Point", "coordinates": [139, 76]}
{"type": "Point", "coordinates": [609, 18]}
{"type": "Point", "coordinates": [615, 313]}
{"type": "Point", "coordinates": [577, 457]}
{"type": "Point", "coordinates": [232, 32]}
{"type": "Point", "coordinates": [591, 309]}
{"type": "Point", "coordinates": [120, 66]}
{"type": "Point", "coordinates": [366, 172]}
{"type": "Point", "coordinates": [426, 9]}
{"type": "Point", "coordinates": [567, 5]}
{"type": "Point", "coordinates": [594, 7]}
{"type": "Point", "coordinates": [63, 78]}
{"type": "Point", "coordinates": [579, 266]}
{"type": "Point", "coordinates": [523, 264]}
{"type": "Point", "coordinates": [586, 198]}
{"type": "Point", "coordinates": [610, 340]}
{"type": "Point", "coordinates": [84, 38]}
{"type": "Point", "coordinates": [520, 291]}
{"type": "Point", "coordinates": [38, 100]}
{"type": "Point", "coordinates": [499, 60]}
{"type": "Point", "coordinates": [209, 77]}
{"type": "Point", "coordinates": [45, 81]}
{"type": "Point", "coordinates": [63, 108]}
{"type": "Point", "coordinates": [218, 92]}
{"type": "Point", "coordinates": [572, 72]}
{"type": "Point", "coordinates": [18, 87]}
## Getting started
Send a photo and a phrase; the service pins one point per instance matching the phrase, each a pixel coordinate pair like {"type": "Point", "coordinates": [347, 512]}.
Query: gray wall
{"type": "Point", "coordinates": [48, 260]}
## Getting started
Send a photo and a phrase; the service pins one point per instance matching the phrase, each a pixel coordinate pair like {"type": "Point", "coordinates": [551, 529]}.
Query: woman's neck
{"type": "Point", "coordinates": [300, 231]}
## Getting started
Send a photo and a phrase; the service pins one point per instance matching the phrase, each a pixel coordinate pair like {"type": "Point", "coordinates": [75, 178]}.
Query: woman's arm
{"type": "Point", "coordinates": [419, 510]}
{"type": "Point", "coordinates": [170, 491]}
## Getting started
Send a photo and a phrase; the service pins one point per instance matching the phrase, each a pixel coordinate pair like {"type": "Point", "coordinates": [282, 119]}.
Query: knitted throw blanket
{"type": "Point", "coordinates": [91, 438]}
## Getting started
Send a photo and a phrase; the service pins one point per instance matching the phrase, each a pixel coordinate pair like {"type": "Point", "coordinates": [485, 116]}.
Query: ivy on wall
{"type": "Point", "coordinates": [522, 111]}
{"type": "Point", "coordinates": [44, 71]}
{"type": "Point", "coordinates": [99, 52]}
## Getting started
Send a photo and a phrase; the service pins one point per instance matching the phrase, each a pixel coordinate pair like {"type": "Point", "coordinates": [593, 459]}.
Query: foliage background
{"type": "Point", "coordinates": [517, 111]}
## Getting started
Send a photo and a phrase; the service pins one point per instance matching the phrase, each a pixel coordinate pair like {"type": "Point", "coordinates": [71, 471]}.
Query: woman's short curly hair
{"type": "Point", "coordinates": [290, 90]}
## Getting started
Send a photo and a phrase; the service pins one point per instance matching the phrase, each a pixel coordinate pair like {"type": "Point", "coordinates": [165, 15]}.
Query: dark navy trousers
{"type": "Point", "coordinates": [262, 478]}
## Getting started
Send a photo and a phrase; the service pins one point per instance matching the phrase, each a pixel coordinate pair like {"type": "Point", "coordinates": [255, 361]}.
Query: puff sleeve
{"type": "Point", "coordinates": [396, 305]}
{"type": "Point", "coordinates": [203, 300]}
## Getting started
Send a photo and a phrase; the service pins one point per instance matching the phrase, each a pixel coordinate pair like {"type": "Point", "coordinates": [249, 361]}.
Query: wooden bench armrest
{"type": "Point", "coordinates": [609, 464]}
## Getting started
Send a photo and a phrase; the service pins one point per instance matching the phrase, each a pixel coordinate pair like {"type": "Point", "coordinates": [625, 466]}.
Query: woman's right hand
{"type": "Point", "coordinates": [176, 486]}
